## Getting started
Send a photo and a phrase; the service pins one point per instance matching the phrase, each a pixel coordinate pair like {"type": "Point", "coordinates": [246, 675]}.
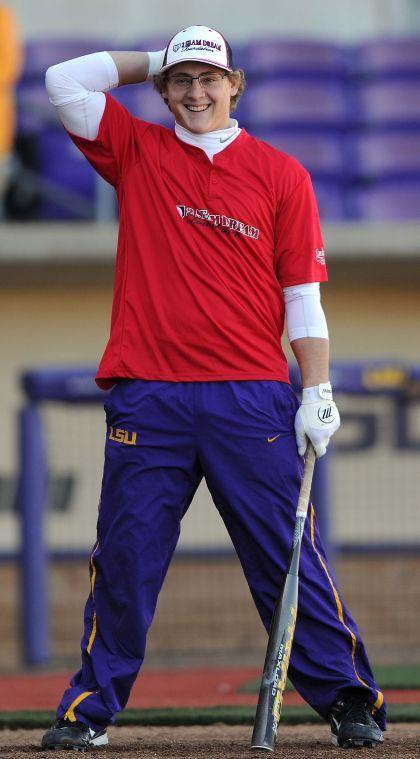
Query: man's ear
{"type": "Point", "coordinates": [166, 101]}
{"type": "Point", "coordinates": [164, 97]}
{"type": "Point", "coordinates": [234, 86]}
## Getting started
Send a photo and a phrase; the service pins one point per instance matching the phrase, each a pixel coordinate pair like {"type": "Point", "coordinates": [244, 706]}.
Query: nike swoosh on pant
{"type": "Point", "coordinates": [272, 439]}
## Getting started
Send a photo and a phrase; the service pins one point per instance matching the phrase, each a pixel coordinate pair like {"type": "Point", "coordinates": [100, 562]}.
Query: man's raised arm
{"type": "Point", "coordinates": [76, 88]}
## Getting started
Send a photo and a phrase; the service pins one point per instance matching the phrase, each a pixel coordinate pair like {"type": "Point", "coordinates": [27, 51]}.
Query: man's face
{"type": "Point", "coordinates": [199, 109]}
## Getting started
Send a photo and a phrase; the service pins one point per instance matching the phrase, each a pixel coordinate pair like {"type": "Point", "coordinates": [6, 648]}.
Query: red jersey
{"type": "Point", "coordinates": [204, 250]}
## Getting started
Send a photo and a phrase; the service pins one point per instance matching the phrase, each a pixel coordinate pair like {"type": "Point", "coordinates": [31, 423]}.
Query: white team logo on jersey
{"type": "Point", "coordinates": [320, 256]}
{"type": "Point", "coordinates": [225, 223]}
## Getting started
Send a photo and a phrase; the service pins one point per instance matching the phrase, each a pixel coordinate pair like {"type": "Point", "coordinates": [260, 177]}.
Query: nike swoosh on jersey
{"type": "Point", "coordinates": [272, 439]}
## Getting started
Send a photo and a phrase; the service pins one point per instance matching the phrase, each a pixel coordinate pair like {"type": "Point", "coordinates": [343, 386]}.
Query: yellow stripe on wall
{"type": "Point", "coordinates": [379, 701]}
{"type": "Point", "coordinates": [70, 711]}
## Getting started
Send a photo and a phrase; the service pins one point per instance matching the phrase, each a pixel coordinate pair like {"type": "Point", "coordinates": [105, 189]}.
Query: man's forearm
{"type": "Point", "coordinates": [135, 67]}
{"type": "Point", "coordinates": [312, 356]}
{"type": "Point", "coordinates": [132, 66]}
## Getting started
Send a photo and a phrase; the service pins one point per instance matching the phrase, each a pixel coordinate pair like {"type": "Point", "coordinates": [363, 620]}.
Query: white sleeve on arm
{"type": "Point", "coordinates": [304, 314]}
{"type": "Point", "coordinates": [76, 88]}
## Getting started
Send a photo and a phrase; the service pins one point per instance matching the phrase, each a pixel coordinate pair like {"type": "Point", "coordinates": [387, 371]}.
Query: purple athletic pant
{"type": "Point", "coordinates": [162, 438]}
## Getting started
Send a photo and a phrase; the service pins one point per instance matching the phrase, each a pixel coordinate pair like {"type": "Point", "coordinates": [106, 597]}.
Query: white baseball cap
{"type": "Point", "coordinates": [198, 43]}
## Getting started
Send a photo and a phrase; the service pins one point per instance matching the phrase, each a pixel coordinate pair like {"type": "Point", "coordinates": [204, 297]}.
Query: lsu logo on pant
{"type": "Point", "coordinates": [122, 436]}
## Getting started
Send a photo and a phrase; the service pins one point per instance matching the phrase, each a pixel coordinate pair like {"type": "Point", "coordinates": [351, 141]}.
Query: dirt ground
{"type": "Point", "coordinates": [402, 741]}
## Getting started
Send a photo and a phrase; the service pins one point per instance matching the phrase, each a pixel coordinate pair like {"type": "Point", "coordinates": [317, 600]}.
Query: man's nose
{"type": "Point", "coordinates": [195, 89]}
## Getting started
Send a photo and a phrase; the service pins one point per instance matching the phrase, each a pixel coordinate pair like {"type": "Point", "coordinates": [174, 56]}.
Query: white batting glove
{"type": "Point", "coordinates": [316, 419]}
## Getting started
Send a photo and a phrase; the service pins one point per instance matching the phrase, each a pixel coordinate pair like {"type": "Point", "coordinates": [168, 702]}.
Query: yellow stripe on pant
{"type": "Point", "coordinates": [92, 587]}
{"type": "Point", "coordinates": [70, 711]}
{"type": "Point", "coordinates": [379, 700]}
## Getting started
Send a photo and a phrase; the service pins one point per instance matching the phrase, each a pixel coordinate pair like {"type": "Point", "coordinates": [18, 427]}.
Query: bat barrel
{"type": "Point", "coordinates": [262, 739]}
{"type": "Point", "coordinates": [263, 736]}
{"type": "Point", "coordinates": [263, 747]}
{"type": "Point", "coordinates": [273, 681]}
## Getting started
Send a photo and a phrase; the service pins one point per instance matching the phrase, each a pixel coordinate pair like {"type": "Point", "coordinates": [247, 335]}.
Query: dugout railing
{"type": "Point", "coordinates": [398, 424]}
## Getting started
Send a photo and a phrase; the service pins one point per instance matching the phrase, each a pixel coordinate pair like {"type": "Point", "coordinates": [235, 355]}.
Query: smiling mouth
{"type": "Point", "coordinates": [197, 108]}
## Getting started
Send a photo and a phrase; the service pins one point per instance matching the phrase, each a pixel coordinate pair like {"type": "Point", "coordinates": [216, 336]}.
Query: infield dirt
{"type": "Point", "coordinates": [218, 741]}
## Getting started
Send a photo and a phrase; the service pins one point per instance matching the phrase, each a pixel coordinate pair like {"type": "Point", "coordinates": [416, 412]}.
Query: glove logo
{"type": "Point", "coordinates": [325, 415]}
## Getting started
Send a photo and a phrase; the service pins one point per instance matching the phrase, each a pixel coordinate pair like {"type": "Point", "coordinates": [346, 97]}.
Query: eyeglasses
{"type": "Point", "coordinates": [206, 81]}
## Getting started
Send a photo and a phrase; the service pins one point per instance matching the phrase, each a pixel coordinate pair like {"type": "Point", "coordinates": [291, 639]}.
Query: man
{"type": "Point", "coordinates": [219, 234]}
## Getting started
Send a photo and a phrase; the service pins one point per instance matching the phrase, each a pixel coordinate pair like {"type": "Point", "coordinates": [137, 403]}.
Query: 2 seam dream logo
{"type": "Point", "coordinates": [225, 223]}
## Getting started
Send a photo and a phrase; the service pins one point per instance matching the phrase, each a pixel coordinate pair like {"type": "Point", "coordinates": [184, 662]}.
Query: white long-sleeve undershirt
{"type": "Point", "coordinates": [76, 89]}
{"type": "Point", "coordinates": [210, 142]}
{"type": "Point", "coordinates": [304, 313]}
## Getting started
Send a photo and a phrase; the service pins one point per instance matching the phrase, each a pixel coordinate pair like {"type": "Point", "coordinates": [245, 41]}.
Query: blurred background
{"type": "Point", "coordinates": [338, 86]}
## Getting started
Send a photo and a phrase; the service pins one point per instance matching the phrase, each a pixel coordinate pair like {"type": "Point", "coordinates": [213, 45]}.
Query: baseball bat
{"type": "Point", "coordinates": [282, 628]}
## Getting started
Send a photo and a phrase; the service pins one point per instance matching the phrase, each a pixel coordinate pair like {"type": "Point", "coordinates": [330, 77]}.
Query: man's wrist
{"type": "Point", "coordinates": [322, 391]}
{"type": "Point", "coordinates": [155, 62]}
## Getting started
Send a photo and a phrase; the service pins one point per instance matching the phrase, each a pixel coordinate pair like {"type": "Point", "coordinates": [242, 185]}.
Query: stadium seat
{"type": "Point", "coordinates": [381, 155]}
{"type": "Point", "coordinates": [331, 200]}
{"type": "Point", "coordinates": [289, 57]}
{"type": "Point", "coordinates": [67, 181]}
{"type": "Point", "coordinates": [40, 54]}
{"type": "Point", "coordinates": [34, 110]}
{"type": "Point", "coordinates": [145, 103]}
{"type": "Point", "coordinates": [386, 201]}
{"type": "Point", "coordinates": [322, 154]}
{"type": "Point", "coordinates": [299, 102]}
{"type": "Point", "coordinates": [154, 42]}
{"type": "Point", "coordinates": [398, 56]}
{"type": "Point", "coordinates": [393, 102]}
